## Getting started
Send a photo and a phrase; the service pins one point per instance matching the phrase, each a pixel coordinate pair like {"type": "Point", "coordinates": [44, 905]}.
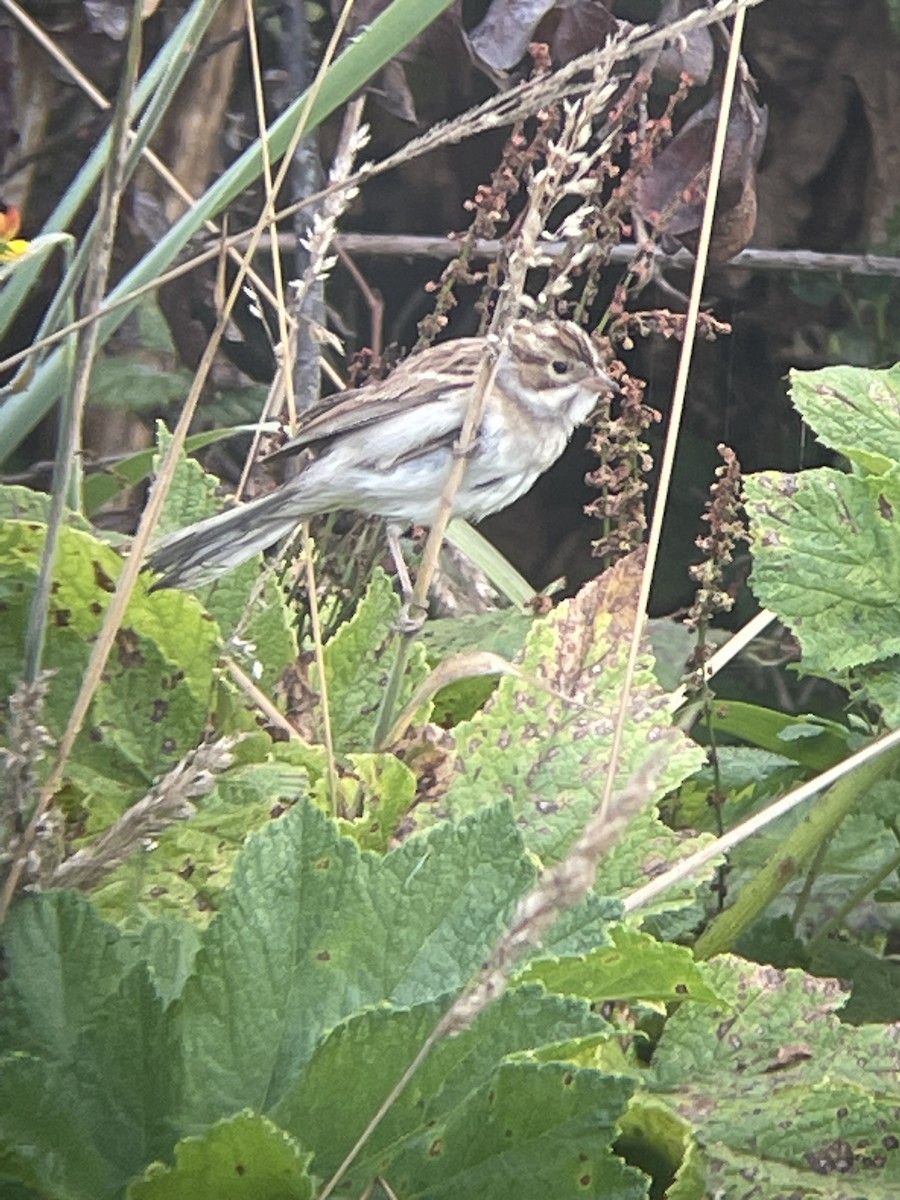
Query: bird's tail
{"type": "Point", "coordinates": [206, 549]}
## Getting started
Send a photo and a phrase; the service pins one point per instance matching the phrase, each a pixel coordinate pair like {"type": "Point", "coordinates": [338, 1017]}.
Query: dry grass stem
{"type": "Point", "coordinates": [168, 800]}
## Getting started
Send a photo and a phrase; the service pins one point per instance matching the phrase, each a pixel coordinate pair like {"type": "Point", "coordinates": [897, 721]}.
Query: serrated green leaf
{"type": "Point", "coordinates": [650, 1132]}
{"type": "Point", "coordinates": [881, 681]}
{"type": "Point", "coordinates": [359, 1062]}
{"type": "Point", "coordinates": [61, 965]}
{"type": "Point", "coordinates": [381, 789]}
{"type": "Point", "coordinates": [826, 560]}
{"type": "Point", "coordinates": [358, 664]}
{"type": "Point", "coordinates": [854, 410]}
{"type": "Point", "coordinates": [246, 1157]}
{"type": "Point", "coordinates": [633, 967]}
{"type": "Point", "coordinates": [88, 1122]}
{"type": "Point", "coordinates": [646, 848]}
{"type": "Point", "coordinates": [742, 780]}
{"type": "Point", "coordinates": [151, 706]}
{"type": "Point", "coordinates": [534, 1131]}
{"type": "Point", "coordinates": [312, 930]}
{"type": "Point", "coordinates": [502, 631]}
{"type": "Point", "coordinates": [168, 946]}
{"type": "Point", "coordinates": [22, 504]}
{"type": "Point", "coordinates": [106, 481]}
{"type": "Point", "coordinates": [193, 493]}
{"type": "Point", "coordinates": [775, 1084]}
{"type": "Point", "coordinates": [546, 747]}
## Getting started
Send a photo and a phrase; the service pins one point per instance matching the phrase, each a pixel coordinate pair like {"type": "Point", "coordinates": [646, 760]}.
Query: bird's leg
{"type": "Point", "coordinates": [393, 541]}
{"type": "Point", "coordinates": [411, 617]}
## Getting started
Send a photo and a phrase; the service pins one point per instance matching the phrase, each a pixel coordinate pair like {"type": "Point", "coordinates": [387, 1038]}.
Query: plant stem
{"type": "Point", "coordinates": [798, 848]}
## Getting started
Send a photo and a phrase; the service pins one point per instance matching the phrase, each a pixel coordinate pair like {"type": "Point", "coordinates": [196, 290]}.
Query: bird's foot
{"type": "Point", "coordinates": [411, 618]}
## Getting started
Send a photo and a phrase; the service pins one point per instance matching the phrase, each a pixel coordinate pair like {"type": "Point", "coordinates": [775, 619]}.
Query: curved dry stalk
{"type": "Point", "coordinates": [684, 366]}
{"type": "Point", "coordinates": [559, 887]}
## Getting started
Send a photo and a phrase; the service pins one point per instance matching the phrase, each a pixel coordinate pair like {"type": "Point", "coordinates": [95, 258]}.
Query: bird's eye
{"type": "Point", "coordinates": [559, 366]}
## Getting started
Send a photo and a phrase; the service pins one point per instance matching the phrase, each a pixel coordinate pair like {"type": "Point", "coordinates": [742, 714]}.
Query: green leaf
{"type": "Point", "coordinates": [246, 1157]}
{"type": "Point", "coordinates": [82, 1114]}
{"type": "Point", "coordinates": [152, 704]}
{"type": "Point", "coordinates": [881, 682]}
{"type": "Point", "coordinates": [502, 632]}
{"type": "Point", "coordinates": [22, 504]}
{"type": "Point", "coordinates": [358, 663]}
{"type": "Point", "coordinates": [546, 745]}
{"type": "Point", "coordinates": [854, 410]}
{"type": "Point", "coordinates": [646, 848]}
{"type": "Point", "coordinates": [358, 1063]}
{"type": "Point", "coordinates": [633, 968]}
{"type": "Point", "coordinates": [186, 870]}
{"type": "Point", "coordinates": [742, 780]}
{"type": "Point", "coordinates": [664, 1145]}
{"type": "Point", "coordinates": [169, 947]}
{"type": "Point", "coordinates": [312, 930]}
{"type": "Point", "coordinates": [826, 560]}
{"type": "Point", "coordinates": [103, 483]}
{"type": "Point", "coordinates": [810, 740]}
{"type": "Point", "coordinates": [534, 1131]}
{"type": "Point", "coordinates": [777, 1087]}
{"type": "Point", "coordinates": [381, 789]}
{"type": "Point", "coordinates": [62, 963]}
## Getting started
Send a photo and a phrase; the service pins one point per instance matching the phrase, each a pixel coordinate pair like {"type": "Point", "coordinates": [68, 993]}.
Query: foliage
{"type": "Point", "coordinates": [247, 975]}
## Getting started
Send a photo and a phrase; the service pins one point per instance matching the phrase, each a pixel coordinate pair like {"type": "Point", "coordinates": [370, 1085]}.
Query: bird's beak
{"type": "Point", "coordinates": [604, 384]}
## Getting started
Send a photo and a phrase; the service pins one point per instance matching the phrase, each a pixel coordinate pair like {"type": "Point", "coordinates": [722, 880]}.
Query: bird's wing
{"type": "Point", "coordinates": [413, 385]}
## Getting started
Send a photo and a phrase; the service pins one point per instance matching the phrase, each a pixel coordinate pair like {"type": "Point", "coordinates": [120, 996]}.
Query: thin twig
{"type": "Point", "coordinates": [390, 245]}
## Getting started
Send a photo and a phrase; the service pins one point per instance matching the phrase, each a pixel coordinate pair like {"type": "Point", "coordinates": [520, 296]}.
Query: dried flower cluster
{"type": "Point", "coordinates": [490, 211]}
{"type": "Point", "coordinates": [621, 475]}
{"type": "Point", "coordinates": [726, 529]}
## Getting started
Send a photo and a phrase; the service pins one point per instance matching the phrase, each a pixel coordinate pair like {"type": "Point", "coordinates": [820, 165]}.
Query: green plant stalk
{"type": "Point", "coordinates": [385, 719]}
{"type": "Point", "coordinates": [823, 818]}
{"type": "Point", "coordinates": [377, 45]}
{"type": "Point", "coordinates": [834, 922]}
{"type": "Point", "coordinates": [809, 883]}
{"type": "Point", "coordinates": [67, 468]}
{"type": "Point", "coordinates": [160, 75]}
